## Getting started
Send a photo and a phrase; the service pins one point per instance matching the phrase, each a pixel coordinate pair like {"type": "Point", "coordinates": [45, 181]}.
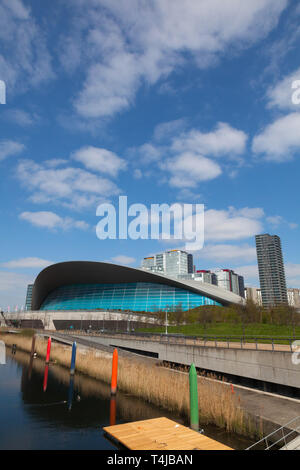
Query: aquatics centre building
{"type": "Point", "coordinates": [91, 286]}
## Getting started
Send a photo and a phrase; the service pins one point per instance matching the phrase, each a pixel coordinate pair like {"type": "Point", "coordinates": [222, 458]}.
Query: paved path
{"type": "Point", "coordinates": [269, 406]}
{"type": "Point", "coordinates": [195, 341]}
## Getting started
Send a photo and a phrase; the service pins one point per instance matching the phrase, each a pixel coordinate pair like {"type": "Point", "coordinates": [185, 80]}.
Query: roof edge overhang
{"type": "Point", "coordinates": [93, 272]}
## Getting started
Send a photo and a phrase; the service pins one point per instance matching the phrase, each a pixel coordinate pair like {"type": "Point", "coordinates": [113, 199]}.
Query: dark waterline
{"type": "Point", "coordinates": [68, 415]}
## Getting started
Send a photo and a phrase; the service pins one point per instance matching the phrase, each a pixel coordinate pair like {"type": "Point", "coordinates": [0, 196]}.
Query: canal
{"type": "Point", "coordinates": [44, 409]}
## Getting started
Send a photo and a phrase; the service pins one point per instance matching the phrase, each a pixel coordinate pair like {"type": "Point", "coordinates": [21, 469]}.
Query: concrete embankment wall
{"type": "Point", "coordinates": [268, 366]}
{"type": "Point", "coordinates": [96, 320]}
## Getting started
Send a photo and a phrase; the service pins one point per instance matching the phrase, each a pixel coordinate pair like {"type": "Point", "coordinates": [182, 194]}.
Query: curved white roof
{"type": "Point", "coordinates": [92, 272]}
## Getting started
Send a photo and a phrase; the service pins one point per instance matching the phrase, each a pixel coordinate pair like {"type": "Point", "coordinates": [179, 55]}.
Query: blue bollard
{"type": "Point", "coordinates": [72, 371]}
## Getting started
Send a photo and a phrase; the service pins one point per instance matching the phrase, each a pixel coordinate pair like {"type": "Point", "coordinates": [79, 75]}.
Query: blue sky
{"type": "Point", "coordinates": [163, 101]}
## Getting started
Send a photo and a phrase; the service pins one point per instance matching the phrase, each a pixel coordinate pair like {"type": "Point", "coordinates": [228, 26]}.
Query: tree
{"type": "Point", "coordinates": [178, 314]}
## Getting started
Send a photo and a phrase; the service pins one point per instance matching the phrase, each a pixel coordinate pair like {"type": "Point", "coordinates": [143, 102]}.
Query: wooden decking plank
{"type": "Point", "coordinates": [161, 433]}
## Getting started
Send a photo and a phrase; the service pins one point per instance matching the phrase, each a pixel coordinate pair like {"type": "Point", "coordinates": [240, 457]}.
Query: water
{"type": "Point", "coordinates": [68, 415]}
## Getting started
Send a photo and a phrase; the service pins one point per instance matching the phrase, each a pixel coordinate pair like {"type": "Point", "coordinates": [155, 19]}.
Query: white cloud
{"type": "Point", "coordinates": [225, 226]}
{"type": "Point", "coordinates": [72, 187]}
{"type": "Point", "coordinates": [249, 212]}
{"type": "Point", "coordinates": [24, 58]}
{"type": "Point", "coordinates": [224, 140]}
{"type": "Point", "coordinates": [123, 259]}
{"type": "Point", "coordinates": [100, 159]}
{"type": "Point", "coordinates": [188, 169]}
{"type": "Point", "coordinates": [133, 42]}
{"type": "Point", "coordinates": [109, 88]}
{"type": "Point", "coordinates": [279, 140]}
{"type": "Point", "coordinates": [17, 8]}
{"type": "Point", "coordinates": [50, 220]}
{"type": "Point", "coordinates": [147, 153]}
{"type": "Point", "coordinates": [228, 253]}
{"type": "Point", "coordinates": [12, 281]}
{"type": "Point", "coordinates": [275, 220]}
{"type": "Point", "coordinates": [292, 270]}
{"type": "Point", "coordinates": [186, 157]}
{"type": "Point", "coordinates": [137, 174]}
{"type": "Point", "coordinates": [166, 130]}
{"type": "Point", "coordinates": [280, 95]}
{"type": "Point", "coordinates": [222, 225]}
{"type": "Point", "coordinates": [21, 117]}
{"type": "Point", "coordinates": [55, 162]}
{"type": "Point", "coordinates": [250, 274]}
{"type": "Point", "coordinates": [9, 148]}
{"type": "Point", "coordinates": [186, 194]}
{"type": "Point", "coordinates": [294, 283]}
{"type": "Point", "coordinates": [13, 288]}
{"type": "Point", "coordinates": [27, 263]}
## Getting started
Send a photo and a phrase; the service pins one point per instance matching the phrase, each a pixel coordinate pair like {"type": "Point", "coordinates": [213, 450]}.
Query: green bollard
{"type": "Point", "coordinates": [194, 410]}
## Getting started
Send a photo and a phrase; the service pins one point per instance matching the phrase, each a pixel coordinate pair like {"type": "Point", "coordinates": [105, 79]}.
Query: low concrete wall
{"type": "Point", "coordinates": [269, 366]}
{"type": "Point", "coordinates": [79, 317]}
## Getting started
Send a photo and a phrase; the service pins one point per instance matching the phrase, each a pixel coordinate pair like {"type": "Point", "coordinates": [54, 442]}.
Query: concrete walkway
{"type": "Point", "coordinates": [218, 343]}
{"type": "Point", "coordinates": [293, 445]}
{"type": "Point", "coordinates": [274, 409]}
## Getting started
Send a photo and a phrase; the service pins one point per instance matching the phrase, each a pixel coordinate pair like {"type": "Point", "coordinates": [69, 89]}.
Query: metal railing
{"type": "Point", "coordinates": [283, 343]}
{"type": "Point", "coordinates": [287, 435]}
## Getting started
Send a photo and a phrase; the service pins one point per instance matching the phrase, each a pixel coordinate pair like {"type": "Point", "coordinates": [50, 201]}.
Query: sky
{"type": "Point", "coordinates": [162, 101]}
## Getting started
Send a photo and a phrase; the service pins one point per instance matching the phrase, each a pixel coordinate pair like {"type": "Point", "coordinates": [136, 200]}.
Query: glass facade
{"type": "Point", "coordinates": [138, 297]}
{"type": "Point", "coordinates": [172, 263]}
{"type": "Point", "coordinates": [28, 297]}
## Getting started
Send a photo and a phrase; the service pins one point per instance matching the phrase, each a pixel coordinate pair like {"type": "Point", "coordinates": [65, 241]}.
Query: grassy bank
{"type": "Point", "coordinates": [249, 319]}
{"type": "Point", "coordinates": [162, 387]}
{"type": "Point", "coordinates": [230, 329]}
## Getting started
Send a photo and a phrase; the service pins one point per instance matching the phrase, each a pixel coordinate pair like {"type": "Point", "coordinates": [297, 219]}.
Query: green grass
{"type": "Point", "coordinates": [230, 329]}
{"type": "Point", "coordinates": [27, 332]}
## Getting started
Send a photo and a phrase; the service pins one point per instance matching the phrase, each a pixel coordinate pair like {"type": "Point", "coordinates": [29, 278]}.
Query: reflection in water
{"type": "Point", "coordinates": [112, 410]}
{"type": "Point", "coordinates": [56, 420]}
{"type": "Point", "coordinates": [71, 387]}
{"type": "Point", "coordinates": [92, 407]}
{"type": "Point", "coordinates": [30, 366]}
{"type": "Point", "coordinates": [33, 346]}
{"type": "Point", "coordinates": [45, 377]}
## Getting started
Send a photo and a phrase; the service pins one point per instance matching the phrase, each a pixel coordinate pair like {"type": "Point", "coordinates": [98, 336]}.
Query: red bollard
{"type": "Point", "coordinates": [232, 390]}
{"type": "Point", "coordinates": [114, 374]}
{"type": "Point", "coordinates": [48, 351]}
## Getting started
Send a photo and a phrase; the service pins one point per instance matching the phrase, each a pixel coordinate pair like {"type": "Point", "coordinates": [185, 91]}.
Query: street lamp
{"type": "Point", "coordinates": [128, 323]}
{"type": "Point", "coordinates": [166, 332]}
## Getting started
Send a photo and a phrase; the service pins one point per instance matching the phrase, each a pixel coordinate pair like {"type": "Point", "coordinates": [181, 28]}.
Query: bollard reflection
{"type": "Point", "coordinates": [30, 367]}
{"type": "Point", "coordinates": [112, 411]}
{"type": "Point", "coordinates": [70, 393]}
{"type": "Point", "coordinates": [31, 357]}
{"type": "Point", "coordinates": [45, 383]}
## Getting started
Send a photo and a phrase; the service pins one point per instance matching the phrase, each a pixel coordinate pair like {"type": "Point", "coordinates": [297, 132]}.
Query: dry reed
{"type": "Point", "coordinates": [162, 387]}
